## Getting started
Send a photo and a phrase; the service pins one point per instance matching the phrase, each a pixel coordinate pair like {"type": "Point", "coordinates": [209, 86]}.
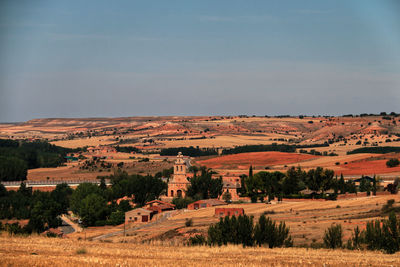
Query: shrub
{"type": "Point", "coordinates": [385, 235]}
{"type": "Point", "coordinates": [388, 206]}
{"type": "Point", "coordinates": [267, 232]}
{"type": "Point", "coordinates": [197, 240]}
{"type": "Point", "coordinates": [81, 251]}
{"type": "Point", "coordinates": [182, 203]}
{"type": "Point", "coordinates": [392, 163]}
{"type": "Point", "coordinates": [333, 237]}
{"type": "Point", "coordinates": [188, 222]}
{"type": "Point", "coordinates": [356, 239]}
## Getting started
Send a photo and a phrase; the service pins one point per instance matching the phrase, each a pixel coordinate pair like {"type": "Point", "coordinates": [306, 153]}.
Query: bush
{"type": "Point", "coordinates": [182, 203]}
{"type": "Point", "coordinates": [267, 232]}
{"type": "Point", "coordinates": [81, 251]}
{"type": "Point", "coordinates": [116, 217]}
{"type": "Point", "coordinates": [388, 206]}
{"type": "Point", "coordinates": [197, 240]}
{"type": "Point", "coordinates": [188, 222]}
{"type": "Point", "coordinates": [392, 163]}
{"type": "Point", "coordinates": [356, 239]}
{"type": "Point", "coordinates": [333, 237]}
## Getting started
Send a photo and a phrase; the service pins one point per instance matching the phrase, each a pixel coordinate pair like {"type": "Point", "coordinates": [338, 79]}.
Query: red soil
{"type": "Point", "coordinates": [244, 160]}
{"type": "Point", "coordinates": [367, 167]}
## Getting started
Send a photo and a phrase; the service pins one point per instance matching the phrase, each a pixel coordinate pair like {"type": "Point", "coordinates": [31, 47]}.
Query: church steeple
{"type": "Point", "coordinates": [180, 165]}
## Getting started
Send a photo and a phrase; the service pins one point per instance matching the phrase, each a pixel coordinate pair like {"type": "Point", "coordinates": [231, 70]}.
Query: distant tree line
{"type": "Point", "coordinates": [188, 151]}
{"type": "Point", "coordinates": [127, 149]}
{"type": "Point", "coordinates": [16, 157]}
{"type": "Point", "coordinates": [376, 150]}
{"type": "Point", "coordinates": [260, 148]}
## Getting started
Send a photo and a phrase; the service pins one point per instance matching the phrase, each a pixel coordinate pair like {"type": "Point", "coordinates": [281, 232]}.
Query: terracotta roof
{"type": "Point", "coordinates": [212, 202]}
{"type": "Point", "coordinates": [139, 210]}
{"type": "Point", "coordinates": [162, 207]}
{"type": "Point", "coordinates": [161, 202]}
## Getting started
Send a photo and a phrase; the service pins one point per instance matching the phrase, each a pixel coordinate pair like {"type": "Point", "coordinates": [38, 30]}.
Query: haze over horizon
{"type": "Point", "coordinates": [136, 58]}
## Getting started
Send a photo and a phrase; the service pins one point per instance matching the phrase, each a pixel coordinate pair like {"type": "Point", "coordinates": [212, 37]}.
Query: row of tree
{"type": "Point", "coordinates": [381, 235]}
{"type": "Point", "coordinates": [188, 151]}
{"type": "Point", "coordinates": [278, 184]}
{"type": "Point", "coordinates": [378, 235]}
{"type": "Point", "coordinates": [241, 230]}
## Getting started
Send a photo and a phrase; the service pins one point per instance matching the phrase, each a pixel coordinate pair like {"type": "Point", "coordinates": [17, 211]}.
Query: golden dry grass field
{"type": "Point", "coordinates": [42, 251]}
{"type": "Point", "coordinates": [307, 220]}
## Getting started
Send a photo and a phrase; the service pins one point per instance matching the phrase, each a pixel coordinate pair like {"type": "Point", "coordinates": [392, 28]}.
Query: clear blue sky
{"type": "Point", "coordinates": [128, 58]}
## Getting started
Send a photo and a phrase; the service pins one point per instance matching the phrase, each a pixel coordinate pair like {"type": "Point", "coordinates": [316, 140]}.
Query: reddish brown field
{"type": "Point", "coordinates": [244, 160]}
{"type": "Point", "coordinates": [367, 167]}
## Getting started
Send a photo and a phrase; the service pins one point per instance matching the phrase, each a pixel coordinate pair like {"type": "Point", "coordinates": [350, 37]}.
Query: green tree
{"type": "Point", "coordinates": [320, 179]}
{"type": "Point", "coordinates": [80, 193]}
{"type": "Point", "coordinates": [204, 186]}
{"type": "Point", "coordinates": [333, 237]}
{"type": "Point", "coordinates": [92, 209]}
{"type": "Point", "coordinates": [392, 163]}
{"type": "Point", "coordinates": [267, 232]}
{"type": "Point", "coordinates": [294, 181]}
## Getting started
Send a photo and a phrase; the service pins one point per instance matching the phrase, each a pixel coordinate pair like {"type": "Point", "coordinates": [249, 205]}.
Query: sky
{"type": "Point", "coordinates": [98, 58]}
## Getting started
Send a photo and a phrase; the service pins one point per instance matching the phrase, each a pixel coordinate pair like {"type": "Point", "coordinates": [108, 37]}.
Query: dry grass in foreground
{"type": "Point", "coordinates": [41, 251]}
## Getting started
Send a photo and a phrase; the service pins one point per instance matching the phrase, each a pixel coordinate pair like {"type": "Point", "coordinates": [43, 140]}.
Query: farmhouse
{"type": "Point", "coordinates": [205, 203]}
{"type": "Point", "coordinates": [231, 184]}
{"type": "Point", "coordinates": [222, 212]}
{"type": "Point", "coordinates": [138, 215]}
{"type": "Point", "coordinates": [158, 206]}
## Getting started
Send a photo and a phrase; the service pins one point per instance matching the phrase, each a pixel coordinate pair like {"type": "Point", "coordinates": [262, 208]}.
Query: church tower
{"type": "Point", "coordinates": [178, 184]}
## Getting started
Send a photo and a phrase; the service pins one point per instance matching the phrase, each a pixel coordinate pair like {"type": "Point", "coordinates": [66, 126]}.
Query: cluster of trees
{"type": "Point", "coordinates": [144, 188]}
{"type": "Point", "coordinates": [16, 157]}
{"type": "Point", "coordinates": [41, 208]}
{"type": "Point", "coordinates": [127, 149]}
{"type": "Point", "coordinates": [95, 204]}
{"type": "Point", "coordinates": [378, 235]}
{"type": "Point", "coordinates": [203, 186]}
{"type": "Point", "coordinates": [392, 163]}
{"type": "Point", "coordinates": [89, 201]}
{"type": "Point", "coordinates": [241, 230]}
{"type": "Point", "coordinates": [277, 184]}
{"type": "Point", "coordinates": [273, 147]}
{"type": "Point", "coordinates": [317, 153]}
{"type": "Point", "coordinates": [260, 148]}
{"type": "Point", "coordinates": [188, 151]}
{"type": "Point", "coordinates": [375, 149]}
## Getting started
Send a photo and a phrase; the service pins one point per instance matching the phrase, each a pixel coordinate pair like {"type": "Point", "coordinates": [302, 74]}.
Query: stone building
{"type": "Point", "coordinates": [178, 184]}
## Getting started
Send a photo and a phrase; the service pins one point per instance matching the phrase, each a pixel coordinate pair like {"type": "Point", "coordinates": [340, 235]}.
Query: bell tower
{"type": "Point", "coordinates": [179, 183]}
{"type": "Point", "coordinates": [179, 166]}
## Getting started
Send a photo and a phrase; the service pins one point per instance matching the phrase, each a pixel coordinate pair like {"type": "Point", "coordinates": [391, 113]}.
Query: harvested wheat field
{"type": "Point", "coordinates": [42, 251]}
{"type": "Point", "coordinates": [244, 160]}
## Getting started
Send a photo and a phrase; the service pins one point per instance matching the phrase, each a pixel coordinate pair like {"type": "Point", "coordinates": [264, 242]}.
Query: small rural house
{"type": "Point", "coordinates": [138, 215]}
{"type": "Point", "coordinates": [204, 203]}
{"type": "Point", "coordinates": [222, 212]}
{"type": "Point", "coordinates": [158, 206]}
